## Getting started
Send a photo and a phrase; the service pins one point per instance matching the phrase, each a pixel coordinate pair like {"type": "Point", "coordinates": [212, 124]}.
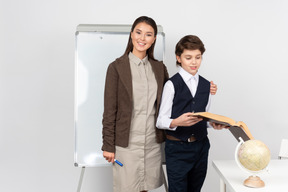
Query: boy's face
{"type": "Point", "coordinates": [190, 60]}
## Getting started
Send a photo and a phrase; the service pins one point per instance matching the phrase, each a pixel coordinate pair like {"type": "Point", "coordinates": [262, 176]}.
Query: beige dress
{"type": "Point", "coordinates": [142, 158]}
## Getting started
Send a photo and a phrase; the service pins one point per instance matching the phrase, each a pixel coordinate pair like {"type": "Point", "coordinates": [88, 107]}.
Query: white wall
{"type": "Point", "coordinates": [246, 44]}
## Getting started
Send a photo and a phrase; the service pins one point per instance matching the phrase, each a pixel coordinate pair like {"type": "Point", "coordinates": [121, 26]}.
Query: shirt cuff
{"type": "Point", "coordinates": [171, 128]}
{"type": "Point", "coordinates": [208, 125]}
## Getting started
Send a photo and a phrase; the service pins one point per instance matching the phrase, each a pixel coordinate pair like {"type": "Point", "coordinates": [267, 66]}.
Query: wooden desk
{"type": "Point", "coordinates": [232, 177]}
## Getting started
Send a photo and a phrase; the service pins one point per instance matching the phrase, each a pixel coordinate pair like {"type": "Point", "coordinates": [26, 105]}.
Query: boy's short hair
{"type": "Point", "coordinates": [190, 42]}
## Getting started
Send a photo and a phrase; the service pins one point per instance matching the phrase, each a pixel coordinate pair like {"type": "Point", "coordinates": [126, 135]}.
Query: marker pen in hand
{"type": "Point", "coordinates": [118, 162]}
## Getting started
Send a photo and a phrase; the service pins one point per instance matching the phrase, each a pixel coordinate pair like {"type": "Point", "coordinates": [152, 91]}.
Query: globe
{"type": "Point", "coordinates": [253, 156]}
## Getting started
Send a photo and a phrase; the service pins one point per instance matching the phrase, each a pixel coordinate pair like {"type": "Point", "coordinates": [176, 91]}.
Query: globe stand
{"type": "Point", "coordinates": [254, 182]}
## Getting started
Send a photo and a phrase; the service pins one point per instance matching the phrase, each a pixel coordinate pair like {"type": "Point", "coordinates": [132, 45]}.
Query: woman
{"type": "Point", "coordinates": [133, 89]}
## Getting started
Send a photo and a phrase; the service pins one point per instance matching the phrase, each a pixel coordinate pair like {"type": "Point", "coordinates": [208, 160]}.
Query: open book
{"type": "Point", "coordinates": [238, 129]}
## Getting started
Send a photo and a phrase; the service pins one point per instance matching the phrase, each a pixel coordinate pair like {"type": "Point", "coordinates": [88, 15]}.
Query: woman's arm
{"type": "Point", "coordinates": [110, 109]}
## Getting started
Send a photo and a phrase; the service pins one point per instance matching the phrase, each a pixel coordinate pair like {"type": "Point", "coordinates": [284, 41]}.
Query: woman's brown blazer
{"type": "Point", "coordinates": [118, 102]}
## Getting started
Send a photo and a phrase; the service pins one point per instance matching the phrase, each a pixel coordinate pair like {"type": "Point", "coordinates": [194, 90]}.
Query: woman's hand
{"type": "Point", "coordinates": [186, 119]}
{"type": "Point", "coordinates": [213, 88]}
{"type": "Point", "coordinates": [109, 156]}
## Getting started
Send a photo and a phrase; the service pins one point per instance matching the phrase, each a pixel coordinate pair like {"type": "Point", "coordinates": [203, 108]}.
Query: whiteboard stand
{"type": "Point", "coordinates": [164, 177]}
{"type": "Point", "coordinates": [81, 179]}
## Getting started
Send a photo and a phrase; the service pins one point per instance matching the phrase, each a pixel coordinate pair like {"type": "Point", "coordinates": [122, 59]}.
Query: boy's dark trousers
{"type": "Point", "coordinates": [186, 164]}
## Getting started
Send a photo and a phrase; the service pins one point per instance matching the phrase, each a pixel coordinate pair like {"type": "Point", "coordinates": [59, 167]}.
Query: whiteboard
{"type": "Point", "coordinates": [96, 47]}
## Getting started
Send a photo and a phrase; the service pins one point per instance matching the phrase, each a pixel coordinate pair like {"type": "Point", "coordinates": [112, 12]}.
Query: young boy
{"type": "Point", "coordinates": [187, 144]}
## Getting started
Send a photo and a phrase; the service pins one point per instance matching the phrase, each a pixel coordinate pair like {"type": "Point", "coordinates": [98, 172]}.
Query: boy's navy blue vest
{"type": "Point", "coordinates": [184, 102]}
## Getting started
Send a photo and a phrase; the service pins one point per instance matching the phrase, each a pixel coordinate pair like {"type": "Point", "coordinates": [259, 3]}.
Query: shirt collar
{"type": "Point", "coordinates": [136, 60]}
{"type": "Point", "coordinates": [187, 76]}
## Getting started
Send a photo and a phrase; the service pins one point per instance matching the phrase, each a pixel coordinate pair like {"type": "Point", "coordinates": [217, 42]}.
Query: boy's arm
{"type": "Point", "coordinates": [163, 120]}
{"type": "Point", "coordinates": [185, 120]}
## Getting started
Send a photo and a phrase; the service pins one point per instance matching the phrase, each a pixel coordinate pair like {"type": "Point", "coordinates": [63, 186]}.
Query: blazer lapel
{"type": "Point", "coordinates": [125, 74]}
{"type": "Point", "coordinates": [159, 78]}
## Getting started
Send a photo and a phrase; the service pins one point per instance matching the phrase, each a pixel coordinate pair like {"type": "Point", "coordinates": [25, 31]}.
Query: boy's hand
{"type": "Point", "coordinates": [213, 88]}
{"type": "Point", "coordinates": [219, 126]}
{"type": "Point", "coordinates": [185, 120]}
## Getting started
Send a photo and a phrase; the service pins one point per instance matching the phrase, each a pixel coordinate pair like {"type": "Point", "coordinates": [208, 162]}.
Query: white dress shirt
{"type": "Point", "coordinates": [164, 118]}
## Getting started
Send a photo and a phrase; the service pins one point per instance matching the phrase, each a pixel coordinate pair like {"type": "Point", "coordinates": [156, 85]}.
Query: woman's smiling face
{"type": "Point", "coordinates": [143, 36]}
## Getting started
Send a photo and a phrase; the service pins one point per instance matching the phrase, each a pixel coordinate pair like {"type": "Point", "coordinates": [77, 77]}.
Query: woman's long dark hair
{"type": "Point", "coordinates": [152, 23]}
